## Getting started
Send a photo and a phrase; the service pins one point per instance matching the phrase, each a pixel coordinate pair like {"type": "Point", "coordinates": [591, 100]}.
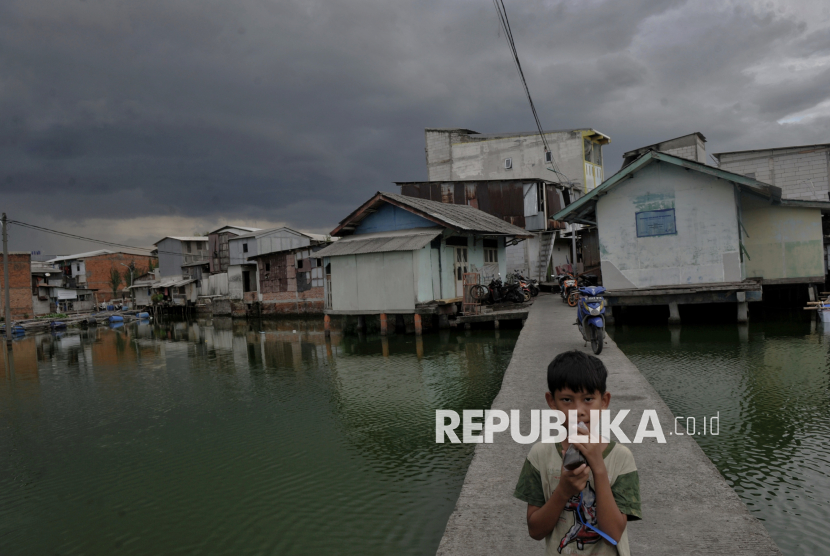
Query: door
{"type": "Point", "coordinates": [460, 268]}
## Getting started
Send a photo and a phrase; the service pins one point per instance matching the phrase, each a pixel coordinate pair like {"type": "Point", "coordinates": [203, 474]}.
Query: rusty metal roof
{"type": "Point", "coordinates": [381, 242]}
{"type": "Point", "coordinates": [461, 218]}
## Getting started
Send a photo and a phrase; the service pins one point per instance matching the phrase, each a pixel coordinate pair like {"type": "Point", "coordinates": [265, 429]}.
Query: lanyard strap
{"type": "Point", "coordinates": [591, 527]}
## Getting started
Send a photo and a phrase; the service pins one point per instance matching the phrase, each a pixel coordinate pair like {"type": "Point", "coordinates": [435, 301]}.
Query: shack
{"type": "Point", "coordinates": [674, 231]}
{"type": "Point", "coordinates": [527, 203]}
{"type": "Point", "coordinates": [405, 255]}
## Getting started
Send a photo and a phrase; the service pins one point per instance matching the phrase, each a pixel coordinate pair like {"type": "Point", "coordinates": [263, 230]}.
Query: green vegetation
{"type": "Point", "coordinates": [115, 281]}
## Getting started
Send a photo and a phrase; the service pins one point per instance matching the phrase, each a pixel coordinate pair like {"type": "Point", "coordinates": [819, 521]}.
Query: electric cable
{"type": "Point", "coordinates": [508, 33]}
{"type": "Point", "coordinates": [89, 239]}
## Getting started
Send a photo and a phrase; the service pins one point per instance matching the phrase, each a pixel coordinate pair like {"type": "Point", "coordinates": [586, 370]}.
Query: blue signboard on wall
{"type": "Point", "coordinates": [656, 223]}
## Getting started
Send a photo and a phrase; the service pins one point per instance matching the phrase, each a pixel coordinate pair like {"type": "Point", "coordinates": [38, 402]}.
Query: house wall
{"type": "Point", "coordinates": [170, 258]}
{"type": "Point", "coordinates": [20, 286]}
{"type": "Point", "coordinates": [704, 249]}
{"type": "Point", "coordinates": [390, 217]}
{"type": "Point", "coordinates": [782, 242]}
{"type": "Point", "coordinates": [235, 281]}
{"type": "Point", "coordinates": [373, 281]}
{"type": "Point", "coordinates": [800, 172]}
{"type": "Point", "coordinates": [96, 270]}
{"type": "Point", "coordinates": [459, 156]}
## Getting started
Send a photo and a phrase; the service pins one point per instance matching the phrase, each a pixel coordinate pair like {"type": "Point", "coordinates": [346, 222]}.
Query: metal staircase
{"type": "Point", "coordinates": [545, 252]}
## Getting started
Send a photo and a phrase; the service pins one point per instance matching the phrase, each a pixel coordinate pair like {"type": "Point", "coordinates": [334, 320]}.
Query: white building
{"type": "Point", "coordinates": [574, 165]}
{"type": "Point", "coordinates": [800, 172]}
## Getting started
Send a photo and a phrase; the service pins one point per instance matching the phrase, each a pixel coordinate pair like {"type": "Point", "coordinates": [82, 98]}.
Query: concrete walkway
{"type": "Point", "coordinates": [688, 507]}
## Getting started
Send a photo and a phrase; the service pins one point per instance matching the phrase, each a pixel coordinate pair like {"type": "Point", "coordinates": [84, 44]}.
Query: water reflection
{"type": "Point", "coordinates": [770, 382]}
{"type": "Point", "coordinates": [229, 437]}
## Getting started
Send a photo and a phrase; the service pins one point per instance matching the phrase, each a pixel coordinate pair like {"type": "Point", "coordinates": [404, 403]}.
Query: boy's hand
{"type": "Point", "coordinates": [571, 483]}
{"type": "Point", "coordinates": [593, 452]}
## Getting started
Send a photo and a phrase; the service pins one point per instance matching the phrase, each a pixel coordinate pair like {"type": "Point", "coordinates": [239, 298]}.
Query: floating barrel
{"type": "Point", "coordinates": [56, 325]}
{"type": "Point", "coordinates": [16, 330]}
{"type": "Point", "coordinates": [110, 307]}
{"type": "Point", "coordinates": [116, 318]}
{"type": "Point", "coordinates": [143, 315]}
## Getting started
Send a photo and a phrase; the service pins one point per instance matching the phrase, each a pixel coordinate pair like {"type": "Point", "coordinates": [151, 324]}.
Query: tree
{"type": "Point", "coordinates": [115, 281]}
{"type": "Point", "coordinates": [151, 266]}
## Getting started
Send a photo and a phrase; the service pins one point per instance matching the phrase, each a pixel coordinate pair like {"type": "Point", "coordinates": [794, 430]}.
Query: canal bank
{"type": "Point", "coordinates": [688, 507]}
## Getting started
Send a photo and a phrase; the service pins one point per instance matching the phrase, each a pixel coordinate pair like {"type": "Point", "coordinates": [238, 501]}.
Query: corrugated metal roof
{"type": "Point", "coordinates": [260, 233]}
{"type": "Point", "coordinates": [381, 242]}
{"type": "Point", "coordinates": [183, 238]}
{"type": "Point", "coordinates": [461, 217]}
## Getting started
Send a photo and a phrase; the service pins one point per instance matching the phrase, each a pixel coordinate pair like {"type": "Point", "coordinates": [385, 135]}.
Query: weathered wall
{"type": "Point", "coordinates": [306, 302]}
{"type": "Point", "coordinates": [474, 157]}
{"type": "Point", "coordinates": [235, 281]}
{"type": "Point", "coordinates": [704, 249]}
{"type": "Point", "coordinates": [97, 270]}
{"type": "Point", "coordinates": [782, 242]}
{"type": "Point", "coordinates": [40, 306]}
{"type": "Point", "coordinates": [800, 172]}
{"type": "Point", "coordinates": [170, 263]}
{"type": "Point", "coordinates": [20, 286]}
{"type": "Point", "coordinates": [373, 281]}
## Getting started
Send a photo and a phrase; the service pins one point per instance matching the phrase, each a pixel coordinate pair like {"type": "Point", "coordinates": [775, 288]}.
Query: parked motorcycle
{"type": "Point", "coordinates": [590, 316]}
{"type": "Point", "coordinates": [497, 292]}
{"type": "Point", "coordinates": [528, 283]}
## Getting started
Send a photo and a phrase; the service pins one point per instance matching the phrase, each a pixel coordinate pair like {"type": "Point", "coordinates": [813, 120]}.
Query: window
{"type": "Point", "coordinates": [299, 263]}
{"type": "Point", "coordinates": [189, 246]}
{"type": "Point", "coordinates": [491, 256]}
{"type": "Point", "coordinates": [77, 268]}
{"type": "Point", "coordinates": [245, 247]}
{"type": "Point", "coordinates": [587, 147]}
{"type": "Point", "coordinates": [267, 267]}
{"type": "Point", "coordinates": [598, 154]}
{"type": "Point", "coordinates": [508, 163]}
{"type": "Point", "coordinates": [656, 223]}
{"type": "Point", "coordinates": [548, 156]}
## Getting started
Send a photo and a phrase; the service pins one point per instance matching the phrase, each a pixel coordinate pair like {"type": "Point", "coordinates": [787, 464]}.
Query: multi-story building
{"type": "Point", "coordinates": [514, 177]}
{"type": "Point", "coordinates": [94, 270]}
{"type": "Point", "coordinates": [176, 251]}
{"type": "Point", "coordinates": [801, 172]}
{"type": "Point", "coordinates": [20, 286]}
{"type": "Point", "coordinates": [218, 246]}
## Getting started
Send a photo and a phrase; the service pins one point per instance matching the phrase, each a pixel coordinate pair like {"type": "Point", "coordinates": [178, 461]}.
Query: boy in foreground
{"type": "Point", "coordinates": [580, 511]}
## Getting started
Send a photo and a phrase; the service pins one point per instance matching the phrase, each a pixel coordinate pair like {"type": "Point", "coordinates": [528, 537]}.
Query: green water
{"type": "Point", "coordinates": [212, 438]}
{"type": "Point", "coordinates": [770, 382]}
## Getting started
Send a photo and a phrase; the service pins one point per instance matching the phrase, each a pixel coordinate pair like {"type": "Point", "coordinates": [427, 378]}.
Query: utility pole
{"type": "Point", "coordinates": [8, 321]}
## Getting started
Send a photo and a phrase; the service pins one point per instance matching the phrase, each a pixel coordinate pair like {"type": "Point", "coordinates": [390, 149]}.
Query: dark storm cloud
{"type": "Point", "coordinates": [295, 111]}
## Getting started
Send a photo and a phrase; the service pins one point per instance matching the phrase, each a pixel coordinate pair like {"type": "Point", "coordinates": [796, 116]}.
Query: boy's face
{"type": "Point", "coordinates": [582, 402]}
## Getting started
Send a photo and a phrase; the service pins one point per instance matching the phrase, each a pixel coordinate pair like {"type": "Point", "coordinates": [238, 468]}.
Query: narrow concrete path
{"type": "Point", "coordinates": [688, 507]}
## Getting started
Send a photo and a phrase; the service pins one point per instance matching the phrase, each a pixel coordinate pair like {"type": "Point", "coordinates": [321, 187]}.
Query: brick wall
{"type": "Point", "coordinates": [801, 173]}
{"type": "Point", "coordinates": [307, 302]}
{"type": "Point", "coordinates": [98, 270]}
{"type": "Point", "coordinates": [20, 286]}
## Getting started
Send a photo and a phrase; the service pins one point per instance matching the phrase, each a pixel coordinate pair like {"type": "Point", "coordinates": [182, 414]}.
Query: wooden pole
{"type": "Point", "coordinates": [6, 281]}
{"type": "Point", "coordinates": [418, 327]}
{"type": "Point", "coordinates": [383, 324]}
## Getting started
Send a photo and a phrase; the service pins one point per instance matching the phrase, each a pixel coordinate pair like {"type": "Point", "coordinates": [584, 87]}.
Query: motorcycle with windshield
{"type": "Point", "coordinates": [590, 316]}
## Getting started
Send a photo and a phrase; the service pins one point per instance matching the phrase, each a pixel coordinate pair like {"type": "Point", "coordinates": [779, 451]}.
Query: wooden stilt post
{"type": "Point", "coordinates": [383, 324]}
{"type": "Point", "coordinates": [418, 327]}
{"type": "Point", "coordinates": [327, 325]}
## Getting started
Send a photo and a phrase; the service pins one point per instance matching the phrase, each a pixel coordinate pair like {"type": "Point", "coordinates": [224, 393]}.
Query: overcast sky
{"type": "Point", "coordinates": [133, 120]}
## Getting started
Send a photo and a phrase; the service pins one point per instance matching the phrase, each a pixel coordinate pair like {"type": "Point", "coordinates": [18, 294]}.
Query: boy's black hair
{"type": "Point", "coordinates": [578, 371]}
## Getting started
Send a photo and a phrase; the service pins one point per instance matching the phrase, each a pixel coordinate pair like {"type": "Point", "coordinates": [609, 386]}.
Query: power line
{"type": "Point", "coordinates": [508, 33]}
{"type": "Point", "coordinates": [89, 239]}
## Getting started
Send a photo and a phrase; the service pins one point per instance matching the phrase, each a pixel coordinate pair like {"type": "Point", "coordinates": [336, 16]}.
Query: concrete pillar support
{"type": "Point", "coordinates": [383, 324]}
{"type": "Point", "coordinates": [361, 323]}
{"type": "Point", "coordinates": [327, 325]}
{"type": "Point", "coordinates": [496, 324]}
{"type": "Point", "coordinates": [674, 313]}
{"type": "Point", "coordinates": [418, 326]}
{"type": "Point", "coordinates": [743, 311]}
